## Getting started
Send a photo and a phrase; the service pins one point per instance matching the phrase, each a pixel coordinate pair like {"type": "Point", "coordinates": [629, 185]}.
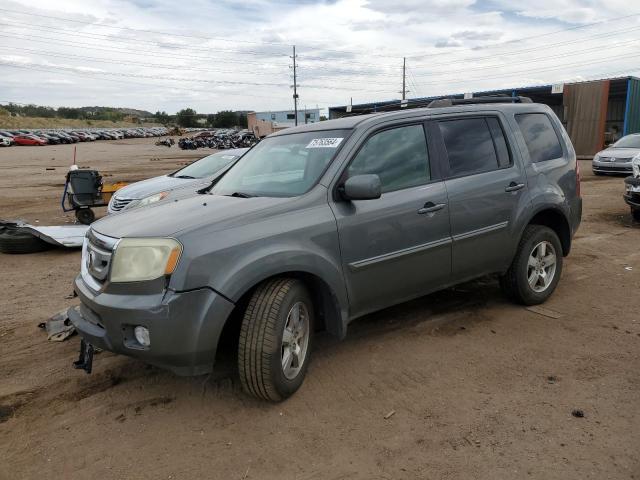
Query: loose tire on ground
{"type": "Point", "coordinates": [516, 281]}
{"type": "Point", "coordinates": [261, 348]}
{"type": "Point", "coordinates": [12, 240]}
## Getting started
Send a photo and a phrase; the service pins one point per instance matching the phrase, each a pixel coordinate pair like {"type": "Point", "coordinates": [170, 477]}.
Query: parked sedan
{"type": "Point", "coordinates": [5, 141]}
{"type": "Point", "coordinates": [185, 181]}
{"type": "Point", "coordinates": [29, 140]}
{"type": "Point", "coordinates": [617, 157]}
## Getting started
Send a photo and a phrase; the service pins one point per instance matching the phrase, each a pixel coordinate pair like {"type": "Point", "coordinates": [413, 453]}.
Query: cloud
{"type": "Point", "coordinates": [129, 50]}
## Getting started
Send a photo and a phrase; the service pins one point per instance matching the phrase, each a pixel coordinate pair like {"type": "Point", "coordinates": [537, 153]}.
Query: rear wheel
{"type": "Point", "coordinates": [275, 339]}
{"type": "Point", "coordinates": [536, 268]}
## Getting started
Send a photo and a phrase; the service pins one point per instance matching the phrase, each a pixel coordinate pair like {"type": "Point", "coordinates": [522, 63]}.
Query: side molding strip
{"type": "Point", "coordinates": [480, 231]}
{"type": "Point", "coordinates": [368, 262]}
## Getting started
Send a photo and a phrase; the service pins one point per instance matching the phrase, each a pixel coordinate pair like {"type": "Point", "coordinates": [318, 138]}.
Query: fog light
{"type": "Point", "coordinates": [142, 335]}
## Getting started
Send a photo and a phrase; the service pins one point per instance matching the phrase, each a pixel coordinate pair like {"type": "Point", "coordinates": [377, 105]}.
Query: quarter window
{"type": "Point", "coordinates": [471, 147]}
{"type": "Point", "coordinates": [540, 136]}
{"type": "Point", "coordinates": [398, 156]}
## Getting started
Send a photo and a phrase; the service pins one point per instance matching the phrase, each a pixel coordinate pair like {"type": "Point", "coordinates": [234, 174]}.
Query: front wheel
{"type": "Point", "coordinates": [635, 213]}
{"type": "Point", "coordinates": [275, 339]}
{"type": "Point", "coordinates": [536, 267]}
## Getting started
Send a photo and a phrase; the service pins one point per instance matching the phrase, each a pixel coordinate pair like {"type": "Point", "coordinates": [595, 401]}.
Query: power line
{"type": "Point", "coordinates": [538, 59]}
{"type": "Point", "coordinates": [97, 36]}
{"type": "Point", "coordinates": [539, 47]}
{"type": "Point", "coordinates": [531, 71]}
{"type": "Point", "coordinates": [174, 34]}
{"type": "Point", "coordinates": [521, 39]}
{"type": "Point", "coordinates": [49, 40]}
{"type": "Point", "coordinates": [224, 39]}
{"type": "Point", "coordinates": [70, 56]}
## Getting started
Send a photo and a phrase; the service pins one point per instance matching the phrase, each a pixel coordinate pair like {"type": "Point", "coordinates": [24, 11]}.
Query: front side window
{"type": "Point", "coordinates": [470, 146]}
{"type": "Point", "coordinates": [398, 156]}
{"type": "Point", "coordinates": [282, 166]}
{"type": "Point", "coordinates": [539, 135]}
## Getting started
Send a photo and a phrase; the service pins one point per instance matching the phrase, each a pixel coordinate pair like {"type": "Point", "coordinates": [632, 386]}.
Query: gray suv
{"type": "Point", "coordinates": [321, 224]}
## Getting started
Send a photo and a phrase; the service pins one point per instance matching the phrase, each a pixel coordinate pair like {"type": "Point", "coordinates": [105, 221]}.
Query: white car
{"type": "Point", "coordinates": [5, 142]}
{"type": "Point", "coordinates": [632, 189]}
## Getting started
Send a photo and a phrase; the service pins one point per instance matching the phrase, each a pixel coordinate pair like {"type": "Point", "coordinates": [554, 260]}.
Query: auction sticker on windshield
{"type": "Point", "coordinates": [324, 143]}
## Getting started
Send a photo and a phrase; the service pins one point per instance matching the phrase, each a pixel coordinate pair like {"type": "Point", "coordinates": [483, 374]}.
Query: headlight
{"type": "Point", "coordinates": [596, 157]}
{"type": "Point", "coordinates": [635, 165]}
{"type": "Point", "coordinates": [140, 259]}
{"type": "Point", "coordinates": [156, 197]}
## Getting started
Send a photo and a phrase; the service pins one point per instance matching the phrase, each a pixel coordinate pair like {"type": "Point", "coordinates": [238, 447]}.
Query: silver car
{"type": "Point", "coordinates": [617, 157]}
{"type": "Point", "coordinates": [190, 178]}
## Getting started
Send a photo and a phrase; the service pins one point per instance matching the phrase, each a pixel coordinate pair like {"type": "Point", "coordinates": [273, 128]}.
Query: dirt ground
{"type": "Point", "coordinates": [481, 388]}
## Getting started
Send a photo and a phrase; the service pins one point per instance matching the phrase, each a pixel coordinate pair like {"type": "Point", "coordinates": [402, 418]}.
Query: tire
{"type": "Point", "coordinates": [262, 348]}
{"type": "Point", "coordinates": [516, 281]}
{"type": "Point", "coordinates": [12, 240]}
{"type": "Point", "coordinates": [635, 213]}
{"type": "Point", "coordinates": [85, 216]}
{"type": "Point", "coordinates": [598, 174]}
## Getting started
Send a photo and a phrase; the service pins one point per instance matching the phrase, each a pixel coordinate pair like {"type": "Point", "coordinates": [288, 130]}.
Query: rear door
{"type": "Point", "coordinates": [398, 246]}
{"type": "Point", "coordinates": [486, 187]}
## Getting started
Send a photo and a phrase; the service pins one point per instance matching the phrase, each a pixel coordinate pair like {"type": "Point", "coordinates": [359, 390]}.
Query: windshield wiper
{"type": "Point", "coordinates": [239, 195]}
{"type": "Point", "coordinates": [184, 176]}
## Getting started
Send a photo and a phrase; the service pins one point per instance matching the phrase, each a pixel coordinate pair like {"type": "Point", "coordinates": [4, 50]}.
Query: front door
{"type": "Point", "coordinates": [398, 246]}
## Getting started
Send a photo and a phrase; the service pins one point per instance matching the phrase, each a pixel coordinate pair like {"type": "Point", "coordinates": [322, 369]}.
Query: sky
{"type": "Point", "coordinates": [214, 55]}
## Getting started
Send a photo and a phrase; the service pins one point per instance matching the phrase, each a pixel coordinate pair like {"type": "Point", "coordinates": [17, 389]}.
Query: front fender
{"type": "Point", "coordinates": [234, 260]}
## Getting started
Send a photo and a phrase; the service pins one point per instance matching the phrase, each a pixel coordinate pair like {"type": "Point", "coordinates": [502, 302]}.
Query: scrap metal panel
{"type": "Point", "coordinates": [632, 112]}
{"type": "Point", "coordinates": [586, 114]}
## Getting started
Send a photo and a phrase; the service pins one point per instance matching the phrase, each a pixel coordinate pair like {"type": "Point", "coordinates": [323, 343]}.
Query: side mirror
{"type": "Point", "coordinates": [362, 187]}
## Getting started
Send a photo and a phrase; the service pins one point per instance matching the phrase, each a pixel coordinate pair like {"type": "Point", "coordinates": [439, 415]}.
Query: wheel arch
{"type": "Point", "coordinates": [556, 220]}
{"type": "Point", "coordinates": [330, 307]}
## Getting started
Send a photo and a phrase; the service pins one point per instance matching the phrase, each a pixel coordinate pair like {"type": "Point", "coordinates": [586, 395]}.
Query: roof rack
{"type": "Point", "coordinates": [450, 102]}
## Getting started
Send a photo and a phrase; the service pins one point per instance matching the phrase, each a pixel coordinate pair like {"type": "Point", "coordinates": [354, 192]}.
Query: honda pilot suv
{"type": "Point", "coordinates": [321, 224]}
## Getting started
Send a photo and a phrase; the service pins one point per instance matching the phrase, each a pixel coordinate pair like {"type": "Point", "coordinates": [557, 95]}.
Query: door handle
{"type": "Point", "coordinates": [514, 187]}
{"type": "Point", "coordinates": [431, 207]}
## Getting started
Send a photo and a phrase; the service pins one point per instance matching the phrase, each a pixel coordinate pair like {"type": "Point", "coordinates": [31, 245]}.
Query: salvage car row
{"type": "Point", "coordinates": [56, 137]}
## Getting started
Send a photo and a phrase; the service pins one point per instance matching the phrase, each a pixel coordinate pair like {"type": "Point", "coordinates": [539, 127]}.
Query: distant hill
{"type": "Point", "coordinates": [124, 111]}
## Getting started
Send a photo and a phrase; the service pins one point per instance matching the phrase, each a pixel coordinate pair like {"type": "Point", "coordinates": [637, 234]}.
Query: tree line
{"type": "Point", "coordinates": [188, 117]}
{"type": "Point", "coordinates": [83, 113]}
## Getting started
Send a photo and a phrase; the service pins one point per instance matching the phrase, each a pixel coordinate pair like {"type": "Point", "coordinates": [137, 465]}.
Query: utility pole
{"type": "Point", "coordinates": [404, 78]}
{"type": "Point", "coordinates": [295, 88]}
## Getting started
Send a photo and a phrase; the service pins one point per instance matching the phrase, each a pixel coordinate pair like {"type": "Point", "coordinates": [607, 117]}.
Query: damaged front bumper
{"type": "Point", "coordinates": [184, 327]}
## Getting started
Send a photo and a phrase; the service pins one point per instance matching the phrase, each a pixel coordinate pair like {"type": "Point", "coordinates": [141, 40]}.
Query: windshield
{"type": "Point", "coordinates": [207, 166]}
{"type": "Point", "coordinates": [282, 166]}
{"type": "Point", "coordinates": [630, 141]}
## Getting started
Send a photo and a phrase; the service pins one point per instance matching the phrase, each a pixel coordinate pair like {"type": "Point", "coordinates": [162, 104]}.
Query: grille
{"type": "Point", "coordinates": [118, 204]}
{"type": "Point", "coordinates": [96, 259]}
{"type": "Point", "coordinates": [613, 168]}
{"type": "Point", "coordinates": [616, 159]}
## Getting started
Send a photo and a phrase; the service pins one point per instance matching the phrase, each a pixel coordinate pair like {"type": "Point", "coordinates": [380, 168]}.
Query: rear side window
{"type": "Point", "coordinates": [471, 147]}
{"type": "Point", "coordinates": [540, 136]}
{"type": "Point", "coordinates": [398, 156]}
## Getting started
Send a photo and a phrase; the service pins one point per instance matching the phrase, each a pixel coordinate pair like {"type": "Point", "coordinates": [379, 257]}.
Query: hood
{"type": "Point", "coordinates": [619, 152]}
{"type": "Point", "coordinates": [150, 186]}
{"type": "Point", "coordinates": [166, 219]}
